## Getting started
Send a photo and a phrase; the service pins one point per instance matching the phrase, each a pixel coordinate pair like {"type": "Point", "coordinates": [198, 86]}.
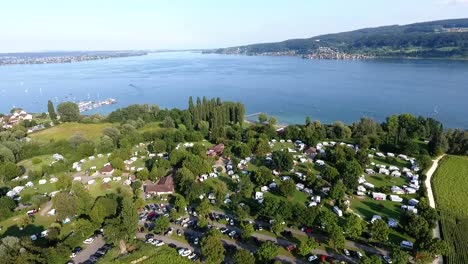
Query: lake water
{"type": "Point", "coordinates": [289, 88]}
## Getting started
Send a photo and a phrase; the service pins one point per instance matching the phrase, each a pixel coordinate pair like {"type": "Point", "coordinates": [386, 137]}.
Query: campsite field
{"type": "Point", "coordinates": [66, 130]}
{"type": "Point", "coordinates": [450, 183]}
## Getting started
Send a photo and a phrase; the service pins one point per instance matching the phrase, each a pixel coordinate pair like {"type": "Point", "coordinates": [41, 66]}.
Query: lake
{"type": "Point", "coordinates": [289, 88]}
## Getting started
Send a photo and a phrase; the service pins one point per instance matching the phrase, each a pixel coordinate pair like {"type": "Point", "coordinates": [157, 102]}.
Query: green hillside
{"type": "Point", "coordinates": [435, 39]}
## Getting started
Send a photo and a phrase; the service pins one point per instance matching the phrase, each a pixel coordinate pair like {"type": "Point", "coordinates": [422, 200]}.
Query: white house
{"type": "Point", "coordinates": [369, 185]}
{"type": "Point", "coordinates": [380, 154]}
{"type": "Point", "coordinates": [370, 171]}
{"type": "Point", "coordinates": [361, 188]}
{"type": "Point", "coordinates": [53, 180]}
{"type": "Point", "coordinates": [29, 184]}
{"type": "Point", "coordinates": [392, 222]}
{"type": "Point", "coordinates": [397, 190]}
{"type": "Point", "coordinates": [259, 197]}
{"type": "Point", "coordinates": [390, 154]}
{"type": "Point", "coordinates": [41, 182]}
{"type": "Point", "coordinates": [264, 189]}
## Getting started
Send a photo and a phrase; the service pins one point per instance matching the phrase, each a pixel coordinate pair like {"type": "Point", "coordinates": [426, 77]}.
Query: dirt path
{"type": "Point", "coordinates": [46, 208]}
{"type": "Point", "coordinates": [430, 195]}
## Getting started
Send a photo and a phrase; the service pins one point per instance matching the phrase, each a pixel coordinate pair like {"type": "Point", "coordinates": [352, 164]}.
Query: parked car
{"type": "Point", "coordinates": [232, 233]}
{"type": "Point", "coordinates": [159, 243]}
{"type": "Point", "coordinates": [312, 258]}
{"type": "Point", "coordinates": [224, 230]}
{"type": "Point", "coordinates": [195, 241]}
{"type": "Point", "coordinates": [346, 252]}
{"type": "Point", "coordinates": [387, 259]}
{"type": "Point", "coordinates": [179, 232]}
{"type": "Point", "coordinates": [172, 245]}
{"type": "Point", "coordinates": [191, 256]}
{"type": "Point", "coordinates": [89, 240]}
{"type": "Point", "coordinates": [149, 235]}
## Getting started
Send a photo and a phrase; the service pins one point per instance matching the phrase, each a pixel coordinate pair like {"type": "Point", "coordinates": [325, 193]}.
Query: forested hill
{"type": "Point", "coordinates": [436, 39]}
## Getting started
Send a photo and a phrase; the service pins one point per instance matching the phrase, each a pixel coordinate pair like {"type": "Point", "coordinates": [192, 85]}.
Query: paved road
{"type": "Point", "coordinates": [89, 249]}
{"type": "Point", "coordinates": [430, 195]}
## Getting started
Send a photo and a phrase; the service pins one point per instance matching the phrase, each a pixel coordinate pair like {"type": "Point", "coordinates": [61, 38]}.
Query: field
{"type": "Point", "coordinates": [450, 187]}
{"type": "Point", "coordinates": [380, 180]}
{"type": "Point", "coordinates": [367, 207]}
{"type": "Point", "coordinates": [66, 130]}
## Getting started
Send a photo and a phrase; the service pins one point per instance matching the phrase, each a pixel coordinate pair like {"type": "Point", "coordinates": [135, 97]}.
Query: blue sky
{"type": "Point", "coordinates": [34, 25]}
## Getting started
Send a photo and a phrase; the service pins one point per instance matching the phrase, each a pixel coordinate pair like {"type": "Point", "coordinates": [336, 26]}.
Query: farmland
{"type": "Point", "coordinates": [451, 185]}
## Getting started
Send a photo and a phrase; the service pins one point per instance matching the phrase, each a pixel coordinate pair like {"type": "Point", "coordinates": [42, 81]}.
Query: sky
{"type": "Point", "coordinates": [45, 25]}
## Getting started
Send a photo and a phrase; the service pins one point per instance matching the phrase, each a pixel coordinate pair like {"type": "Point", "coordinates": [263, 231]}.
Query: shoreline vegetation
{"type": "Point", "coordinates": [63, 57]}
{"type": "Point", "coordinates": [444, 39]}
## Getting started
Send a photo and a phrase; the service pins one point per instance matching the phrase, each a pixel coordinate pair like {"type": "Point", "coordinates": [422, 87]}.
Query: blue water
{"type": "Point", "coordinates": [287, 87]}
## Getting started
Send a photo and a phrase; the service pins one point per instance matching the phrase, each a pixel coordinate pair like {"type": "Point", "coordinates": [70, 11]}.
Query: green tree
{"type": "Point", "coordinates": [287, 188]}
{"type": "Point", "coordinates": [51, 109]}
{"type": "Point", "coordinates": [7, 205]}
{"type": "Point", "coordinates": [247, 230]}
{"type": "Point", "coordinates": [374, 259]}
{"type": "Point", "coordinates": [306, 246]}
{"type": "Point", "coordinates": [161, 224]}
{"type": "Point", "coordinates": [69, 112]}
{"type": "Point", "coordinates": [262, 148]}
{"type": "Point", "coordinates": [262, 176]}
{"type": "Point", "coordinates": [278, 226]}
{"type": "Point", "coordinates": [262, 118]}
{"type": "Point", "coordinates": [282, 160]}
{"type": "Point", "coordinates": [168, 122]}
{"type": "Point", "coordinates": [337, 239]}
{"type": "Point", "coordinates": [266, 252]}
{"type": "Point", "coordinates": [399, 256]}
{"type": "Point", "coordinates": [243, 256]}
{"type": "Point", "coordinates": [64, 204]}
{"type": "Point", "coordinates": [212, 248]}
{"type": "Point", "coordinates": [353, 226]}
{"type": "Point", "coordinates": [180, 203]}
{"type": "Point", "coordinates": [379, 231]}
{"type": "Point", "coordinates": [338, 191]}
{"type": "Point", "coordinates": [103, 207]}
{"type": "Point", "coordinates": [121, 229]}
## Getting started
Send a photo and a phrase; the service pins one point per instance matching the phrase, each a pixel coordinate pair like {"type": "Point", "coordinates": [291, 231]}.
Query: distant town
{"type": "Point", "coordinates": [63, 57]}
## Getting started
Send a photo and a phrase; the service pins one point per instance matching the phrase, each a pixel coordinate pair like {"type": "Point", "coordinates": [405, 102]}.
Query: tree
{"type": "Point", "coordinates": [161, 224]}
{"type": "Point", "coordinates": [180, 203]}
{"type": "Point", "coordinates": [337, 239]}
{"type": "Point", "coordinates": [379, 231]}
{"type": "Point", "coordinates": [282, 160]}
{"type": "Point", "coordinates": [278, 225]}
{"type": "Point", "coordinates": [262, 147]}
{"type": "Point", "coordinates": [103, 207]}
{"type": "Point", "coordinates": [64, 204]}
{"type": "Point", "coordinates": [212, 248]}
{"type": "Point", "coordinates": [338, 191]}
{"type": "Point", "coordinates": [117, 163]}
{"type": "Point", "coordinates": [7, 205]}
{"type": "Point", "coordinates": [245, 186]}
{"type": "Point", "coordinates": [438, 144]}
{"type": "Point", "coordinates": [272, 121]}
{"type": "Point", "coordinates": [353, 226]}
{"type": "Point", "coordinates": [350, 172]}
{"type": "Point", "coordinates": [262, 118]}
{"type": "Point", "coordinates": [436, 247]}
{"type": "Point", "coordinates": [168, 122]}
{"type": "Point", "coordinates": [399, 256]}
{"type": "Point", "coordinates": [121, 229]}
{"type": "Point", "coordinates": [287, 188]}
{"type": "Point", "coordinates": [306, 246]}
{"type": "Point", "coordinates": [247, 230]}
{"type": "Point", "coordinates": [266, 252]}
{"type": "Point", "coordinates": [51, 109]}
{"type": "Point", "coordinates": [9, 170]}
{"type": "Point", "coordinates": [374, 259]}
{"type": "Point", "coordinates": [330, 174]}
{"type": "Point", "coordinates": [69, 112]}
{"type": "Point", "coordinates": [83, 200]}
{"type": "Point", "coordinates": [243, 256]}
{"type": "Point", "coordinates": [262, 176]}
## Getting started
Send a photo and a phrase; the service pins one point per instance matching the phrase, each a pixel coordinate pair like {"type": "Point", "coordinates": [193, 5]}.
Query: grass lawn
{"type": "Point", "coordinates": [28, 164]}
{"type": "Point", "coordinates": [10, 228]}
{"type": "Point", "coordinates": [101, 189]}
{"type": "Point", "coordinates": [297, 196]}
{"type": "Point", "coordinates": [367, 207]}
{"type": "Point", "coordinates": [283, 146]}
{"type": "Point", "coordinates": [66, 130]}
{"type": "Point", "coordinates": [396, 162]}
{"type": "Point", "coordinates": [380, 180]}
{"type": "Point", "coordinates": [97, 162]}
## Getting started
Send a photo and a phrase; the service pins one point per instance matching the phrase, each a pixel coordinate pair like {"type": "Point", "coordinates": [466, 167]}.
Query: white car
{"type": "Point", "coordinates": [73, 254]}
{"type": "Point", "coordinates": [191, 256]}
{"type": "Point", "coordinates": [232, 233]}
{"type": "Point", "coordinates": [159, 243]}
{"type": "Point", "coordinates": [89, 240]}
{"type": "Point", "coordinates": [150, 241]}
{"type": "Point", "coordinates": [186, 252]}
{"type": "Point", "coordinates": [312, 258]}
